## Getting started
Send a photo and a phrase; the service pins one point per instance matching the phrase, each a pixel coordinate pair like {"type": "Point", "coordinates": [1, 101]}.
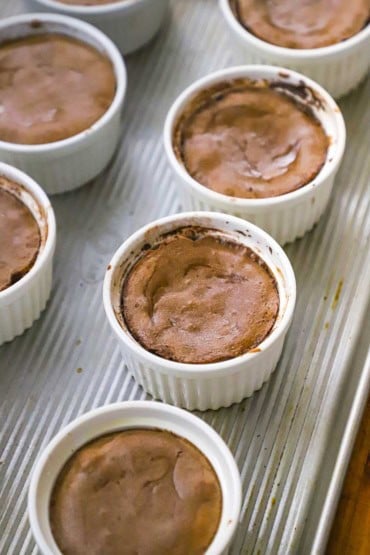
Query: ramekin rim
{"type": "Point", "coordinates": [26, 181]}
{"type": "Point", "coordinates": [330, 166]}
{"type": "Point", "coordinates": [195, 370]}
{"type": "Point", "coordinates": [112, 53]}
{"type": "Point", "coordinates": [166, 411]}
{"type": "Point", "coordinates": [113, 7]}
{"type": "Point", "coordinates": [297, 54]}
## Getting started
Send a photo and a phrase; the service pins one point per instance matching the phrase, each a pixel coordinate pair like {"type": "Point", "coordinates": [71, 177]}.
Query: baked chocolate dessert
{"type": "Point", "coordinates": [136, 491]}
{"type": "Point", "coordinates": [20, 236]}
{"type": "Point", "coordinates": [250, 140]}
{"type": "Point", "coordinates": [51, 88]}
{"type": "Point", "coordinates": [198, 297]}
{"type": "Point", "coordinates": [302, 23]}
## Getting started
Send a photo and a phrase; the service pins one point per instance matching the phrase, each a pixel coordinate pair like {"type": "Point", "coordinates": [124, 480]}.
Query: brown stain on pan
{"type": "Point", "coordinates": [337, 294]}
{"type": "Point", "coordinates": [36, 24]}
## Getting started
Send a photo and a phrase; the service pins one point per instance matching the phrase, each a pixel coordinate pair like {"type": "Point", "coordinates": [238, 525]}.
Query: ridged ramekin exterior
{"type": "Point", "coordinates": [22, 303]}
{"type": "Point", "coordinates": [204, 386]}
{"type": "Point", "coordinates": [135, 414]}
{"type": "Point", "coordinates": [130, 24]}
{"type": "Point", "coordinates": [204, 393]}
{"type": "Point", "coordinates": [286, 217]}
{"type": "Point", "coordinates": [65, 165]}
{"type": "Point", "coordinates": [285, 223]}
{"type": "Point", "coordinates": [20, 314]}
{"type": "Point", "coordinates": [63, 170]}
{"type": "Point", "coordinates": [338, 68]}
{"type": "Point", "coordinates": [337, 76]}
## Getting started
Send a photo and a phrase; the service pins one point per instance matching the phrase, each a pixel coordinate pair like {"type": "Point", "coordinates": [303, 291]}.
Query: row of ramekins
{"type": "Point", "coordinates": [66, 164]}
{"type": "Point", "coordinates": [131, 23]}
{"type": "Point", "coordinates": [23, 301]}
{"type": "Point", "coordinates": [194, 386]}
{"type": "Point", "coordinates": [69, 163]}
{"type": "Point", "coordinates": [285, 218]}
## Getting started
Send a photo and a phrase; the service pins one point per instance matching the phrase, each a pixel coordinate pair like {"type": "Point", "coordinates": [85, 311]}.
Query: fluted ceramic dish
{"type": "Point", "coordinates": [119, 416]}
{"type": "Point", "coordinates": [286, 217]}
{"type": "Point", "coordinates": [339, 68]}
{"type": "Point", "coordinates": [211, 385]}
{"type": "Point", "coordinates": [129, 23]}
{"type": "Point", "coordinates": [63, 165]}
{"type": "Point", "coordinates": [22, 303]}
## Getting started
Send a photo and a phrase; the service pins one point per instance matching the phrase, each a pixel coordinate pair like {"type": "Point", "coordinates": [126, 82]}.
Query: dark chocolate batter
{"type": "Point", "coordinates": [303, 23]}
{"type": "Point", "coordinates": [249, 141]}
{"type": "Point", "coordinates": [197, 298]}
{"type": "Point", "coordinates": [20, 238]}
{"type": "Point", "coordinates": [140, 491]}
{"type": "Point", "coordinates": [51, 87]}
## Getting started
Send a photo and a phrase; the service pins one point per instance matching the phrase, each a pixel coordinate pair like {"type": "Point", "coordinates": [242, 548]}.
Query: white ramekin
{"type": "Point", "coordinates": [286, 217]}
{"type": "Point", "coordinates": [338, 67]}
{"type": "Point", "coordinates": [120, 416]}
{"type": "Point", "coordinates": [201, 386]}
{"type": "Point", "coordinates": [64, 165]}
{"type": "Point", "coordinates": [129, 23]}
{"type": "Point", "coordinates": [22, 303]}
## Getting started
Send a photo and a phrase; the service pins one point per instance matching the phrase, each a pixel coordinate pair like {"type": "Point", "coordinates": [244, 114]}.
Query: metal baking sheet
{"type": "Point", "coordinates": [347, 421]}
{"type": "Point", "coordinates": [287, 437]}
